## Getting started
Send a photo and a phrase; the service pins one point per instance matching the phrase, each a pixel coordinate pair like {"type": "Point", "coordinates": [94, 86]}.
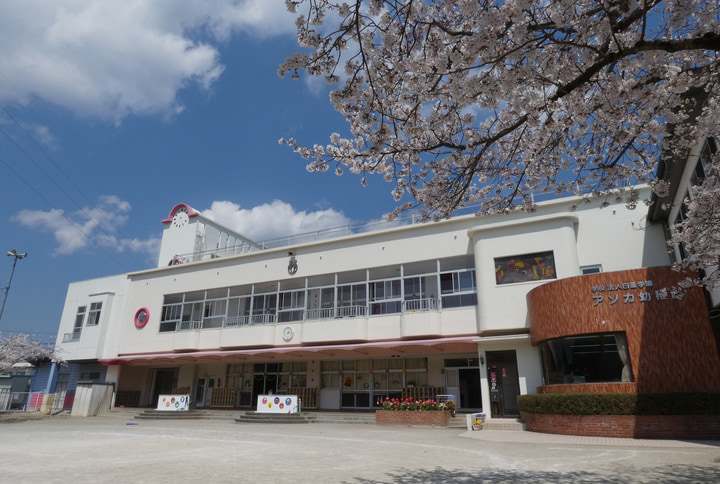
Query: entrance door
{"type": "Point", "coordinates": [452, 385]}
{"type": "Point", "coordinates": [263, 384]}
{"type": "Point", "coordinates": [470, 395]}
{"type": "Point", "coordinates": [203, 391]}
{"type": "Point", "coordinates": [504, 384]}
{"type": "Point", "coordinates": [165, 382]}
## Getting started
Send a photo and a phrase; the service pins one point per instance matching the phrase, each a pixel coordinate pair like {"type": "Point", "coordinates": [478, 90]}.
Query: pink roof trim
{"type": "Point", "coordinates": [191, 212]}
{"type": "Point", "coordinates": [459, 343]}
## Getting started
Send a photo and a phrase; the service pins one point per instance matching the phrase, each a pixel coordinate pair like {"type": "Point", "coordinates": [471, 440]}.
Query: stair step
{"type": "Point", "coordinates": [161, 415]}
{"type": "Point", "coordinates": [292, 418]}
{"type": "Point", "coordinates": [459, 421]}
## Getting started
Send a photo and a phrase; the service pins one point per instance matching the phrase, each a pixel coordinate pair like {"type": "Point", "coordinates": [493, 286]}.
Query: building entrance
{"type": "Point", "coordinates": [203, 391]}
{"type": "Point", "coordinates": [464, 384]}
{"type": "Point", "coordinates": [165, 382]}
{"type": "Point", "coordinates": [502, 374]}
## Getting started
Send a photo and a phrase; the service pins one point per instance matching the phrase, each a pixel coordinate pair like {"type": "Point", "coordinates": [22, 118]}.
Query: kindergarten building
{"type": "Point", "coordinates": [480, 309]}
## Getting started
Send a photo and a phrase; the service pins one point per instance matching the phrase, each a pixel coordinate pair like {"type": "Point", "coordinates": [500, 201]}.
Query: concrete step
{"type": "Point", "coordinates": [504, 424]}
{"type": "Point", "coordinates": [161, 415]}
{"type": "Point", "coordinates": [274, 418]}
{"type": "Point", "coordinates": [344, 418]}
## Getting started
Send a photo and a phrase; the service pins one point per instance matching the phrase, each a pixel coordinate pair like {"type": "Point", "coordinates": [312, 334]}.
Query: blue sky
{"type": "Point", "coordinates": [113, 112]}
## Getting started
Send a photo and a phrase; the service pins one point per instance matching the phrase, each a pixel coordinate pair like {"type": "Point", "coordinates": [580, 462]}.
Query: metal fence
{"type": "Point", "coordinates": [12, 400]}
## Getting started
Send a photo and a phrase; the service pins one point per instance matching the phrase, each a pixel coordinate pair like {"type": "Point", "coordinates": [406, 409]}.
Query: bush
{"type": "Point", "coordinates": [668, 403]}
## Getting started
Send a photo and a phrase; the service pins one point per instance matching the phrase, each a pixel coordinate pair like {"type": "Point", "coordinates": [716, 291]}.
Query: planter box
{"type": "Point", "coordinates": [702, 427]}
{"type": "Point", "coordinates": [412, 417]}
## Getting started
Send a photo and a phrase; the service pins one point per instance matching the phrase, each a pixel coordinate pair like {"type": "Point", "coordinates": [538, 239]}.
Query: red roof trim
{"type": "Point", "coordinates": [191, 212]}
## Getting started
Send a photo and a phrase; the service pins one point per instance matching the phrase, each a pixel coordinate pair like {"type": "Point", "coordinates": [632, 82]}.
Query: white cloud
{"type": "Point", "coordinates": [98, 225]}
{"type": "Point", "coordinates": [87, 227]}
{"type": "Point", "coordinates": [272, 220]}
{"type": "Point", "coordinates": [109, 59]}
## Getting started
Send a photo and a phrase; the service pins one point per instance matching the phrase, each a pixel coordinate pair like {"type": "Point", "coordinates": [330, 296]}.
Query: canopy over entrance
{"type": "Point", "coordinates": [357, 350]}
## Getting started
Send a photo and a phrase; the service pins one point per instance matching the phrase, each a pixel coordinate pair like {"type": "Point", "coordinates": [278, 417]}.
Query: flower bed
{"type": "Point", "coordinates": [414, 412]}
{"type": "Point", "coordinates": [410, 417]}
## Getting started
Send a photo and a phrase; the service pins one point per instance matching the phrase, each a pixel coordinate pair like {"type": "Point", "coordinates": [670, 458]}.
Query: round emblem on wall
{"type": "Point", "coordinates": [292, 266]}
{"type": "Point", "coordinates": [141, 318]}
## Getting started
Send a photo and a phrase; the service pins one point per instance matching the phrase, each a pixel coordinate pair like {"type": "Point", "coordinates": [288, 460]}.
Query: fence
{"type": "Point", "coordinates": [12, 400]}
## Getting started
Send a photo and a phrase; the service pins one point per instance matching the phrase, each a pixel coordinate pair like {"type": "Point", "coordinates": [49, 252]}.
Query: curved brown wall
{"type": "Point", "coordinates": [671, 343]}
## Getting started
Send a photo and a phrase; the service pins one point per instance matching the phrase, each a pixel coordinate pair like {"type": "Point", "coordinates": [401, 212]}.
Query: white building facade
{"type": "Point", "coordinates": [416, 310]}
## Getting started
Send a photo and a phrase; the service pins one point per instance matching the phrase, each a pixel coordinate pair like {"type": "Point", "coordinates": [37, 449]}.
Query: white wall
{"type": "Point", "coordinates": [95, 341]}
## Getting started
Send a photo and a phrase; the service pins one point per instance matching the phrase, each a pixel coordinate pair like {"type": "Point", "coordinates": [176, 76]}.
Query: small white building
{"type": "Point", "coordinates": [347, 318]}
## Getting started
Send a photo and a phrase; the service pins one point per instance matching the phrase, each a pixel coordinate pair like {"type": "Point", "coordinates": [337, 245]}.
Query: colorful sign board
{"type": "Point", "coordinates": [173, 403]}
{"type": "Point", "coordinates": [277, 404]}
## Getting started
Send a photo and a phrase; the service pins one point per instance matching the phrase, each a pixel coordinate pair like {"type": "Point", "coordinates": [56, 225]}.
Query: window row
{"type": "Point", "coordinates": [255, 304]}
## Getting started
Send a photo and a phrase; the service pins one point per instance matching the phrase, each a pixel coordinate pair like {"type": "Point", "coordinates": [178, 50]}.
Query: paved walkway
{"type": "Point", "coordinates": [116, 448]}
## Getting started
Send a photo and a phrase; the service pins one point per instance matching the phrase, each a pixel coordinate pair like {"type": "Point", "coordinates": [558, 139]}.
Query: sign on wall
{"type": "Point", "coordinates": [524, 268]}
{"type": "Point", "coordinates": [629, 292]}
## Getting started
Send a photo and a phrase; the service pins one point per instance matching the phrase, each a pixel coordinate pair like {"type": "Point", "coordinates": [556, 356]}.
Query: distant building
{"type": "Point", "coordinates": [481, 309]}
{"type": "Point", "coordinates": [15, 386]}
{"type": "Point", "coordinates": [683, 174]}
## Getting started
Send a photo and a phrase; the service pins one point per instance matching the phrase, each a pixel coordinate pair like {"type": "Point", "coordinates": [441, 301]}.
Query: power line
{"type": "Point", "coordinates": [62, 215]}
{"type": "Point", "coordinates": [52, 180]}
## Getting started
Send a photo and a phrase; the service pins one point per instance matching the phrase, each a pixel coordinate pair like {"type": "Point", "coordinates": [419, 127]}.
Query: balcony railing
{"type": "Point", "coordinates": [72, 337]}
{"type": "Point", "coordinates": [427, 304]}
{"type": "Point", "coordinates": [324, 313]}
{"type": "Point", "coordinates": [189, 325]}
{"type": "Point", "coordinates": [265, 318]}
{"type": "Point", "coordinates": [352, 311]}
{"type": "Point", "coordinates": [342, 312]}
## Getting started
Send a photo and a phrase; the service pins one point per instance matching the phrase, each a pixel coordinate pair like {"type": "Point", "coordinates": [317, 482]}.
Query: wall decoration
{"type": "Point", "coordinates": [141, 318]}
{"type": "Point", "coordinates": [524, 268]}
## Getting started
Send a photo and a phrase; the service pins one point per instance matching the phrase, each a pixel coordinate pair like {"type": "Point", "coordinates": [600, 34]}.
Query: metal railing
{"type": "Point", "coordinates": [72, 337]}
{"type": "Point", "coordinates": [342, 312]}
{"type": "Point", "coordinates": [189, 325]}
{"type": "Point", "coordinates": [324, 313]}
{"type": "Point", "coordinates": [10, 400]}
{"type": "Point", "coordinates": [326, 234]}
{"type": "Point", "coordinates": [427, 304]}
{"type": "Point", "coordinates": [352, 311]}
{"type": "Point", "coordinates": [265, 318]}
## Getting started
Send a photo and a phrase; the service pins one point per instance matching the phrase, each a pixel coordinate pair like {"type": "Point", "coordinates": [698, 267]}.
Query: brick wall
{"type": "Point", "coordinates": [705, 427]}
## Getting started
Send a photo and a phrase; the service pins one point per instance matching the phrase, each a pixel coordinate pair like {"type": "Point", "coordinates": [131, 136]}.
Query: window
{"type": "Point", "coordinates": [292, 306]}
{"type": "Point", "coordinates": [590, 358]}
{"type": "Point", "coordinates": [80, 316]}
{"type": "Point", "coordinates": [591, 269]}
{"type": "Point", "coordinates": [523, 268]}
{"type": "Point", "coordinates": [387, 296]}
{"type": "Point", "coordinates": [264, 307]}
{"type": "Point", "coordinates": [94, 314]}
{"type": "Point", "coordinates": [351, 295]}
{"type": "Point", "coordinates": [77, 328]}
{"type": "Point", "coordinates": [458, 289]}
{"type": "Point", "coordinates": [170, 316]}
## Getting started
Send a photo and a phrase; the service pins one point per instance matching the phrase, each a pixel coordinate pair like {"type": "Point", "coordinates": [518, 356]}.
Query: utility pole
{"type": "Point", "coordinates": [13, 253]}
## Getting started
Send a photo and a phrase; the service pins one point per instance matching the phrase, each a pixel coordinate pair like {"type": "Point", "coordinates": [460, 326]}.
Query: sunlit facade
{"type": "Point", "coordinates": [347, 318]}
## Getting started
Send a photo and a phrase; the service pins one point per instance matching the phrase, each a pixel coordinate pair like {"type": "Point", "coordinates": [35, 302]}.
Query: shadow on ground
{"type": "Point", "coordinates": [674, 474]}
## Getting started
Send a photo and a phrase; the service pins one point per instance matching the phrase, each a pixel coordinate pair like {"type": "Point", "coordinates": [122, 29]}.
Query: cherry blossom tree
{"type": "Point", "coordinates": [487, 104]}
{"type": "Point", "coordinates": [19, 347]}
